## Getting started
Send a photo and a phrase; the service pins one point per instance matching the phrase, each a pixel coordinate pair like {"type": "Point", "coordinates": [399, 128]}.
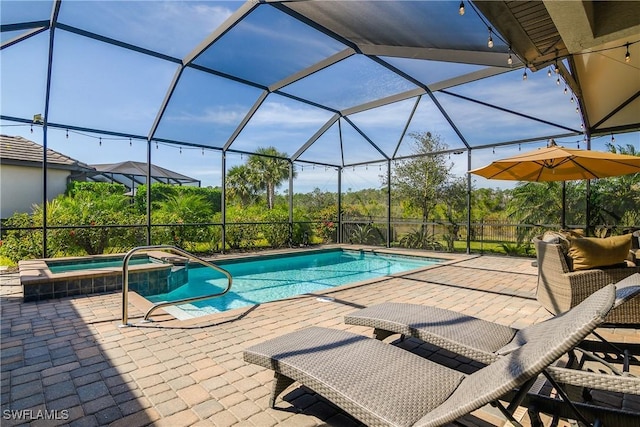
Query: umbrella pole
{"type": "Point", "coordinates": [587, 231]}
{"type": "Point", "coordinates": [564, 205]}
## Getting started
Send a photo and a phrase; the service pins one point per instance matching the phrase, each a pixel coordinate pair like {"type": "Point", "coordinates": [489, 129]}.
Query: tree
{"type": "Point", "coordinates": [242, 184]}
{"type": "Point", "coordinates": [455, 208]}
{"type": "Point", "coordinates": [422, 179]}
{"type": "Point", "coordinates": [614, 201]}
{"type": "Point", "coordinates": [269, 168]}
{"type": "Point", "coordinates": [488, 203]}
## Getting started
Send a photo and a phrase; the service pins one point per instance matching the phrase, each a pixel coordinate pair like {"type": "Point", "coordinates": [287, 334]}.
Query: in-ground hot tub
{"type": "Point", "coordinates": [149, 274]}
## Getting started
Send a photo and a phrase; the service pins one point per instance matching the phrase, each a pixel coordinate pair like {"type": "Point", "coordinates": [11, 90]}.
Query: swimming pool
{"type": "Point", "coordinates": [275, 278]}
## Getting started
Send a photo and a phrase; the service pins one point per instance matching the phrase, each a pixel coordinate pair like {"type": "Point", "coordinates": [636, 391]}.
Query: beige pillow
{"type": "Point", "coordinates": [592, 252]}
{"type": "Point", "coordinates": [557, 238]}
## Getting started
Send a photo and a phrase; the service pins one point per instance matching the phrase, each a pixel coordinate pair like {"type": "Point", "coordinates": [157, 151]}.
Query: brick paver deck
{"type": "Point", "coordinates": [68, 359]}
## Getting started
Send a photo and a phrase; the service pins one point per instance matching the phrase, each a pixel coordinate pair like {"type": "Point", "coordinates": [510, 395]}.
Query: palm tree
{"type": "Point", "coordinates": [241, 183]}
{"type": "Point", "coordinates": [181, 209]}
{"type": "Point", "coordinates": [271, 168]}
{"type": "Point", "coordinates": [615, 200]}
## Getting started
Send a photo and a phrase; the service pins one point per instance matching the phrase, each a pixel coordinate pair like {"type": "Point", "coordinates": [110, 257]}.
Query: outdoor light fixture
{"type": "Point", "coordinates": [558, 81]}
{"type": "Point", "coordinates": [524, 75]}
{"type": "Point", "coordinates": [571, 98]}
{"type": "Point", "coordinates": [509, 59]}
{"type": "Point", "coordinates": [461, 9]}
{"type": "Point", "coordinates": [549, 72]}
{"type": "Point", "coordinates": [565, 90]}
{"type": "Point", "coordinates": [490, 41]}
{"type": "Point", "coordinates": [627, 56]}
{"type": "Point", "coordinates": [556, 68]}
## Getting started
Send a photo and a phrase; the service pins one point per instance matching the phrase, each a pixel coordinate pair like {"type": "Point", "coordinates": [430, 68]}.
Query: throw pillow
{"type": "Point", "coordinates": [592, 252]}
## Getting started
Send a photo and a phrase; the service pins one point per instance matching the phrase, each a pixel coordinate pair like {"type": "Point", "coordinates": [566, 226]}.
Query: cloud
{"type": "Point", "coordinates": [279, 114]}
{"type": "Point", "coordinates": [222, 115]}
{"type": "Point", "coordinates": [170, 27]}
{"type": "Point", "coordinates": [395, 115]}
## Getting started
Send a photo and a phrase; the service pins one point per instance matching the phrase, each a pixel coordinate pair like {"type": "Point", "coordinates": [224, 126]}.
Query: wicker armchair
{"type": "Point", "coordinates": [560, 289]}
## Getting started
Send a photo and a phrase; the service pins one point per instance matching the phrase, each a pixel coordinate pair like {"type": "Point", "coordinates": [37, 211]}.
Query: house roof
{"type": "Point", "coordinates": [16, 150]}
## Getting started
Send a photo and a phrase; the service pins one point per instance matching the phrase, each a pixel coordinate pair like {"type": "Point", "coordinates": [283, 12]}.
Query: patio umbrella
{"type": "Point", "coordinates": [557, 163]}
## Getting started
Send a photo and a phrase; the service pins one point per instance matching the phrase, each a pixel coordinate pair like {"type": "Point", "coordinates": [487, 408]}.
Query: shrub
{"type": "Point", "coordinates": [21, 244]}
{"type": "Point", "coordinates": [276, 229]}
{"type": "Point", "coordinates": [420, 239]}
{"type": "Point", "coordinates": [178, 211]}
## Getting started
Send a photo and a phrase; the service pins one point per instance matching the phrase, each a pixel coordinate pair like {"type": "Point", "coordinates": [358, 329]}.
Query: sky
{"type": "Point", "coordinates": [100, 86]}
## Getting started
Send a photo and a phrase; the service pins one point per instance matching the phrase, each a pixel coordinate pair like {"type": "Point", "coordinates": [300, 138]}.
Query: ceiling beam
{"type": "Point", "coordinates": [469, 77]}
{"type": "Point", "coordinates": [223, 29]}
{"type": "Point", "coordinates": [493, 59]}
{"type": "Point", "coordinates": [343, 54]}
{"type": "Point", "coordinates": [384, 101]}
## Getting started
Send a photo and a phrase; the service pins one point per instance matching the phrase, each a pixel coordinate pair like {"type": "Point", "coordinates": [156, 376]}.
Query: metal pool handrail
{"type": "Point", "coordinates": [125, 281]}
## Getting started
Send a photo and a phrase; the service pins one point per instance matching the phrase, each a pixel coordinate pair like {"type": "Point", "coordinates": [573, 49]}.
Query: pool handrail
{"type": "Point", "coordinates": [125, 281]}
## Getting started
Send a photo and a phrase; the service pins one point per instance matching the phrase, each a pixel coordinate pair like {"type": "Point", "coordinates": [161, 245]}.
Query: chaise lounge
{"type": "Point", "coordinates": [468, 336]}
{"type": "Point", "coordinates": [380, 384]}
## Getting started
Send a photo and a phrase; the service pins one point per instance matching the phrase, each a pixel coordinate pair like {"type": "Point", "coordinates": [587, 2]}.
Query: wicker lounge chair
{"type": "Point", "coordinates": [486, 342]}
{"type": "Point", "coordinates": [560, 288]}
{"type": "Point", "coordinates": [468, 336]}
{"type": "Point", "coordinates": [380, 384]}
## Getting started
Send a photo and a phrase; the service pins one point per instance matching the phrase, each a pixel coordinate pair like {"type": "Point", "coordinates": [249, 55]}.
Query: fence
{"type": "Point", "coordinates": [485, 236]}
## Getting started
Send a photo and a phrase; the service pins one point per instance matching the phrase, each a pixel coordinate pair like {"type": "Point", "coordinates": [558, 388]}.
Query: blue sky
{"type": "Point", "coordinates": [101, 86]}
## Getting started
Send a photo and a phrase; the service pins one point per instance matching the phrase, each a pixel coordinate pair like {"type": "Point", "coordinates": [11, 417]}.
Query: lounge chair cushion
{"type": "Point", "coordinates": [593, 252]}
{"type": "Point", "coordinates": [448, 329]}
{"type": "Point", "coordinates": [376, 382]}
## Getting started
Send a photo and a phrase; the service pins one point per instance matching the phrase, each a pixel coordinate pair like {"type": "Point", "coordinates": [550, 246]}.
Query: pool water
{"type": "Point", "coordinates": [86, 264]}
{"type": "Point", "coordinates": [272, 279]}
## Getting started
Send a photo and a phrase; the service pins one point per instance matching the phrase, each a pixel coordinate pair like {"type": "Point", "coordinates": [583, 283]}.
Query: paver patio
{"type": "Point", "coordinates": [68, 358]}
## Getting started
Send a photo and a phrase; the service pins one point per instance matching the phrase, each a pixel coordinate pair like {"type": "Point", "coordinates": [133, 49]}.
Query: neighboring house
{"type": "Point", "coordinates": [21, 180]}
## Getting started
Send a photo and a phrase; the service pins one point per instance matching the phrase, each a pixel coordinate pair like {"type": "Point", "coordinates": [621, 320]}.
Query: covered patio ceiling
{"type": "Point", "coordinates": [338, 83]}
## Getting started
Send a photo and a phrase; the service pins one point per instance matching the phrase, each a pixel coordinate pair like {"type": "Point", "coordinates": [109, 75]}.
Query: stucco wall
{"type": "Point", "coordinates": [21, 187]}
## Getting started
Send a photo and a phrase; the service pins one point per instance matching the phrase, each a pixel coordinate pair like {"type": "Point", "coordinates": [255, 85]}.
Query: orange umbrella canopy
{"type": "Point", "coordinates": [556, 163]}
